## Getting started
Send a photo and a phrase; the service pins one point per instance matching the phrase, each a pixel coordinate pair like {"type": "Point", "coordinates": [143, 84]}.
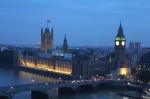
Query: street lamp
{"type": "Point", "coordinates": [32, 81]}
{"type": "Point", "coordinates": [139, 67]}
{"type": "Point", "coordinates": [11, 88]}
{"type": "Point", "coordinates": [59, 79]}
{"type": "Point", "coordinates": [46, 87]}
{"type": "Point", "coordinates": [128, 83]}
{"type": "Point", "coordinates": [80, 77]}
{"type": "Point", "coordinates": [11, 91]}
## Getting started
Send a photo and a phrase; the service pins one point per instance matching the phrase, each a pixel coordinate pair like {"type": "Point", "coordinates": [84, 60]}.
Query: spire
{"type": "Point", "coordinates": [65, 45]}
{"type": "Point", "coordinates": [41, 30]}
{"type": "Point", "coordinates": [65, 36]}
{"type": "Point", "coordinates": [65, 39]}
{"type": "Point", "coordinates": [120, 27]}
{"type": "Point", "coordinates": [120, 31]}
{"type": "Point", "coordinates": [52, 31]}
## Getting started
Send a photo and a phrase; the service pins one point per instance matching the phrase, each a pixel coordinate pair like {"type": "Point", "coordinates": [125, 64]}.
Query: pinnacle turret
{"type": "Point", "coordinates": [65, 45]}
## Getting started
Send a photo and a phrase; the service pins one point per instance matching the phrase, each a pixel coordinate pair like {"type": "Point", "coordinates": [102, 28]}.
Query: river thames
{"type": "Point", "coordinates": [9, 77]}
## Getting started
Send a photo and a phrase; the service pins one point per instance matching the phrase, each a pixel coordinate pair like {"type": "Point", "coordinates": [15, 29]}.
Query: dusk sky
{"type": "Point", "coordinates": [85, 22]}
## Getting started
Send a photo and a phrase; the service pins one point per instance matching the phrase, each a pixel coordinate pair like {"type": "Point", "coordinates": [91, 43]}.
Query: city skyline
{"type": "Point", "coordinates": [85, 23]}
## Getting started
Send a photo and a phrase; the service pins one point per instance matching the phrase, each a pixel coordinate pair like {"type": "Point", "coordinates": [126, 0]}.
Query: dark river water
{"type": "Point", "coordinates": [9, 77]}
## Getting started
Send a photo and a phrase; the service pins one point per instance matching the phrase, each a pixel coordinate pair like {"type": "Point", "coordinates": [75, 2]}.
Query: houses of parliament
{"type": "Point", "coordinates": [74, 63]}
{"type": "Point", "coordinates": [47, 58]}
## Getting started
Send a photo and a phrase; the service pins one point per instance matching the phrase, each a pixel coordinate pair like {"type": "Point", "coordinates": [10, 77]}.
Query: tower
{"type": "Point", "coordinates": [135, 52]}
{"type": "Point", "coordinates": [122, 63]}
{"type": "Point", "coordinates": [46, 39]}
{"type": "Point", "coordinates": [120, 46]}
{"type": "Point", "coordinates": [65, 45]}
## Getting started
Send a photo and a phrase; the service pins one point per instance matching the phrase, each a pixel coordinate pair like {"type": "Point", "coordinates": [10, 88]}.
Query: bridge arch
{"type": "Point", "coordinates": [65, 90]}
{"type": "Point", "coordinates": [86, 87]}
{"type": "Point", "coordinates": [40, 94]}
{"type": "Point", "coordinates": [4, 97]}
{"type": "Point", "coordinates": [103, 85]}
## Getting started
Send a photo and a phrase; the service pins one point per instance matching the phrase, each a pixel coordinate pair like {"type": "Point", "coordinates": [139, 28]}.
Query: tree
{"type": "Point", "coordinates": [145, 58]}
{"type": "Point", "coordinates": [144, 75]}
{"type": "Point", "coordinates": [6, 56]}
{"type": "Point", "coordinates": [134, 72]}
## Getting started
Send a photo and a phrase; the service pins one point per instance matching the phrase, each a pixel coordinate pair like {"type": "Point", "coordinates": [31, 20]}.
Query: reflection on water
{"type": "Point", "coordinates": [37, 78]}
{"type": "Point", "coordinates": [10, 77]}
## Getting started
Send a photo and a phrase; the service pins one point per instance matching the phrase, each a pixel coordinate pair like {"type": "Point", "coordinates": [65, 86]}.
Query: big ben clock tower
{"type": "Point", "coordinates": [120, 53]}
{"type": "Point", "coordinates": [120, 45]}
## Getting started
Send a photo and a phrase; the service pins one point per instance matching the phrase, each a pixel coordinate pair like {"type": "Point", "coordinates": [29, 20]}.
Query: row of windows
{"type": "Point", "coordinates": [64, 69]}
{"type": "Point", "coordinates": [64, 66]}
{"type": "Point", "coordinates": [44, 61]}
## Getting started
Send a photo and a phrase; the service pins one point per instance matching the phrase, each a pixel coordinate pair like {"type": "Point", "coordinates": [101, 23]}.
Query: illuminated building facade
{"type": "Point", "coordinates": [122, 63]}
{"type": "Point", "coordinates": [79, 65]}
{"type": "Point", "coordinates": [46, 62]}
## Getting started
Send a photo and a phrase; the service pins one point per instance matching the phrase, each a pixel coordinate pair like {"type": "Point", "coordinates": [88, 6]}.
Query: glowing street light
{"type": "Point", "coordinates": [59, 79]}
{"type": "Point", "coordinates": [11, 88]}
{"type": "Point", "coordinates": [32, 81]}
{"type": "Point", "coordinates": [46, 87]}
{"type": "Point", "coordinates": [80, 77]}
{"type": "Point", "coordinates": [128, 83]}
{"type": "Point", "coordinates": [11, 91]}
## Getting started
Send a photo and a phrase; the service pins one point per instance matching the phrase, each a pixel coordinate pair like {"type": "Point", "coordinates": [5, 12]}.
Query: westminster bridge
{"type": "Point", "coordinates": [66, 87]}
{"type": "Point", "coordinates": [42, 89]}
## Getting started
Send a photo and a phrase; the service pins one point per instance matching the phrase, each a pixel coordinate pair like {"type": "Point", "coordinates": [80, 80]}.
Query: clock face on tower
{"type": "Point", "coordinates": [123, 43]}
{"type": "Point", "coordinates": [117, 43]}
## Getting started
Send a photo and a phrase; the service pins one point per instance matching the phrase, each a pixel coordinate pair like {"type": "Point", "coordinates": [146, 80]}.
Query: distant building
{"type": "Point", "coordinates": [83, 66]}
{"type": "Point", "coordinates": [46, 40]}
{"type": "Point", "coordinates": [144, 61]}
{"type": "Point", "coordinates": [134, 52]}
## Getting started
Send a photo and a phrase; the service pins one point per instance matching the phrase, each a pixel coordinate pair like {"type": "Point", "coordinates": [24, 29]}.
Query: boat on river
{"type": "Point", "coordinates": [146, 96]}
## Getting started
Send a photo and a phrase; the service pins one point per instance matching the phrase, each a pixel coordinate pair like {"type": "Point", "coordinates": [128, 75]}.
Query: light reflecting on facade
{"type": "Point", "coordinates": [124, 71]}
{"type": "Point", "coordinates": [44, 64]}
